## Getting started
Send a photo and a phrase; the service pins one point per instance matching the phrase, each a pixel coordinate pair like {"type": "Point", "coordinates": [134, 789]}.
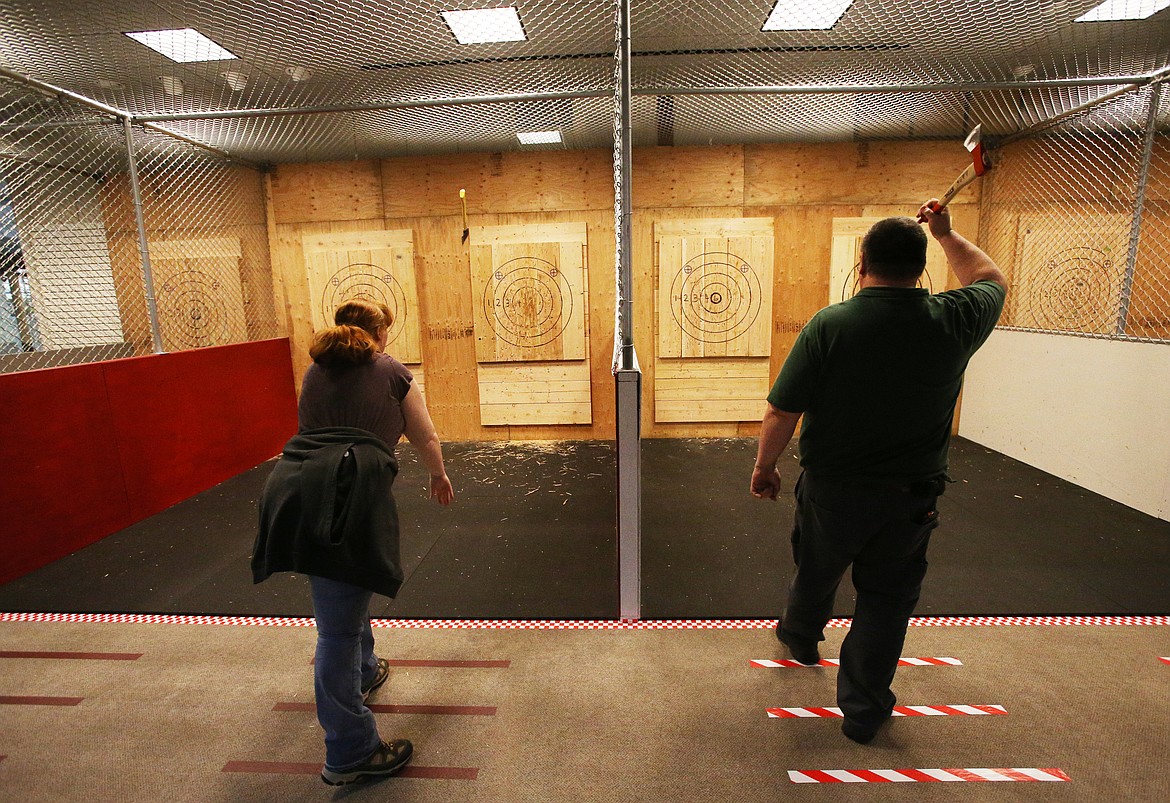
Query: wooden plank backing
{"type": "Point", "coordinates": [1069, 276]}
{"type": "Point", "coordinates": [535, 393]}
{"type": "Point", "coordinates": [710, 389]}
{"type": "Point", "coordinates": [199, 293]}
{"type": "Point", "coordinates": [375, 265]}
{"type": "Point", "coordinates": [529, 292]}
{"type": "Point", "coordinates": [714, 283]}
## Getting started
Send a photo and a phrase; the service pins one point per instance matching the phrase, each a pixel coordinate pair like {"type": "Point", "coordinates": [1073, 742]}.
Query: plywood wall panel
{"type": "Point", "coordinates": [498, 183]}
{"type": "Point", "coordinates": [326, 192]}
{"type": "Point", "coordinates": [861, 173]}
{"type": "Point", "coordinates": [688, 176]}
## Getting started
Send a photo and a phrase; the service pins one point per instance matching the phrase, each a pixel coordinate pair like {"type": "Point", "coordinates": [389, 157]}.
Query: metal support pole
{"type": "Point", "coordinates": [1135, 229]}
{"type": "Point", "coordinates": [628, 375]}
{"type": "Point", "coordinates": [626, 233]}
{"type": "Point", "coordinates": [143, 245]}
{"type": "Point", "coordinates": [629, 476]}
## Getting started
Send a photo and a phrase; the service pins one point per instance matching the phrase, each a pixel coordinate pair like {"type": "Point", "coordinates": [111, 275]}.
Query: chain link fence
{"type": "Point", "coordinates": [1076, 210]}
{"type": "Point", "coordinates": [78, 285]}
{"type": "Point", "coordinates": [1076, 213]}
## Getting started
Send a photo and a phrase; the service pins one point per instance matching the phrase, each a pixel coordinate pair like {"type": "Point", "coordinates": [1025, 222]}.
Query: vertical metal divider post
{"type": "Point", "coordinates": [1135, 229]}
{"type": "Point", "coordinates": [628, 375]}
{"type": "Point", "coordinates": [143, 244]}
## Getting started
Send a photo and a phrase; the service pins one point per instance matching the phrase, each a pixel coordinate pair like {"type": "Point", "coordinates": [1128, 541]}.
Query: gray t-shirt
{"type": "Point", "coordinates": [367, 396]}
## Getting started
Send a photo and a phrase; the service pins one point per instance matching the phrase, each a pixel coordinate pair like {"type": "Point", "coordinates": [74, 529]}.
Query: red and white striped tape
{"type": "Point", "coordinates": [919, 775]}
{"type": "Point", "coordinates": [766, 663]}
{"type": "Point", "coordinates": [899, 711]}
{"type": "Point", "coordinates": [568, 624]}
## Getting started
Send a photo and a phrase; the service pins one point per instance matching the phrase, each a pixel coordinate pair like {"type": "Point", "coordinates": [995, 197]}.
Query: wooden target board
{"type": "Point", "coordinates": [1069, 277]}
{"type": "Point", "coordinates": [198, 292]}
{"type": "Point", "coordinates": [376, 266]}
{"type": "Point", "coordinates": [714, 318]}
{"type": "Point", "coordinates": [714, 294]}
{"type": "Point", "coordinates": [529, 286]}
{"type": "Point", "coordinates": [845, 262]}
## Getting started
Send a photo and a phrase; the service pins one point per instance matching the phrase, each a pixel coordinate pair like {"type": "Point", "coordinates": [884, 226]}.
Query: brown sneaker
{"type": "Point", "coordinates": [388, 759]}
{"type": "Point", "coordinates": [380, 676]}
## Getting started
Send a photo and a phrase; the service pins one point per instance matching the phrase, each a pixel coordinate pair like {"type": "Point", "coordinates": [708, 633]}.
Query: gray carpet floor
{"type": "Point", "coordinates": [575, 715]}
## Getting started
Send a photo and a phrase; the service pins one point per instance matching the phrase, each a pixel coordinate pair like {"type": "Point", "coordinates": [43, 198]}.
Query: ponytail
{"type": "Point", "coordinates": [354, 338]}
{"type": "Point", "coordinates": [343, 345]}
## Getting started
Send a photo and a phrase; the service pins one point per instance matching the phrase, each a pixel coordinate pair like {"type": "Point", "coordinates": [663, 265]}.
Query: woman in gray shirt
{"type": "Point", "coordinates": [352, 384]}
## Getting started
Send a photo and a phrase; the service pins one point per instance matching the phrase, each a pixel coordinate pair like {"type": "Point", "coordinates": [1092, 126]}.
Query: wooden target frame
{"type": "Point", "coordinates": [529, 288]}
{"type": "Point", "coordinates": [198, 292]}
{"type": "Point", "coordinates": [530, 298]}
{"type": "Point", "coordinates": [1068, 278]}
{"type": "Point", "coordinates": [374, 265]}
{"type": "Point", "coordinates": [845, 260]}
{"type": "Point", "coordinates": [713, 312]}
{"type": "Point", "coordinates": [714, 279]}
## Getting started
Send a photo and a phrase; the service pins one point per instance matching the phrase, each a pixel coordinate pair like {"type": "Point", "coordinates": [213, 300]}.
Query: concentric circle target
{"type": "Point", "coordinates": [191, 307]}
{"type": "Point", "coordinates": [715, 297]}
{"type": "Point", "coordinates": [853, 282]}
{"type": "Point", "coordinates": [368, 283]}
{"type": "Point", "coordinates": [528, 302]}
{"type": "Point", "coordinates": [1076, 290]}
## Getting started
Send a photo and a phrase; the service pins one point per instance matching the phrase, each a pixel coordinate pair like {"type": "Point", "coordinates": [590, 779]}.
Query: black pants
{"type": "Point", "coordinates": [883, 531]}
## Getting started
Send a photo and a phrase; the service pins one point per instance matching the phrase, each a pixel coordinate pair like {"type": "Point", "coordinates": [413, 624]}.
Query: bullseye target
{"type": "Point", "coordinates": [715, 297]}
{"type": "Point", "coordinates": [853, 282]}
{"type": "Point", "coordinates": [366, 282]}
{"type": "Point", "coordinates": [1075, 290]}
{"type": "Point", "coordinates": [192, 312]}
{"type": "Point", "coordinates": [1069, 278]}
{"type": "Point", "coordinates": [528, 302]}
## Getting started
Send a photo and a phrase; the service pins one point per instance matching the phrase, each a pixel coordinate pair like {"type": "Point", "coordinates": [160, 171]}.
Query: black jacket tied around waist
{"type": "Point", "coordinates": [327, 510]}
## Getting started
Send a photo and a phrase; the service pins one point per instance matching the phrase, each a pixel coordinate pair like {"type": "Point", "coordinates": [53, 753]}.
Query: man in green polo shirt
{"type": "Point", "coordinates": [876, 379]}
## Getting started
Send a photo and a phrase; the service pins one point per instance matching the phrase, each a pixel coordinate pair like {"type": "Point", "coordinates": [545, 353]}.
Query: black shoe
{"type": "Point", "coordinates": [388, 759]}
{"type": "Point", "coordinates": [857, 733]}
{"type": "Point", "coordinates": [380, 676]}
{"type": "Point", "coordinates": [803, 650]}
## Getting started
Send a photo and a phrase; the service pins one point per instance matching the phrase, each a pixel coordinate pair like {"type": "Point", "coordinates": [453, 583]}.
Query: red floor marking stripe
{"type": "Point", "coordinates": [454, 710]}
{"type": "Point", "coordinates": [950, 774]}
{"type": "Point", "coordinates": [306, 768]}
{"type": "Point", "coordinates": [82, 656]}
{"type": "Point", "coordinates": [1164, 659]}
{"type": "Point", "coordinates": [899, 711]}
{"type": "Point", "coordinates": [572, 624]}
{"type": "Point", "coordinates": [451, 664]}
{"type": "Point", "coordinates": [41, 700]}
{"type": "Point", "coordinates": [769, 663]}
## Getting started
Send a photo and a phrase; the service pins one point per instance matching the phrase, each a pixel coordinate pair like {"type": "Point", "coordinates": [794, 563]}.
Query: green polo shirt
{"type": "Point", "coordinates": [877, 378]}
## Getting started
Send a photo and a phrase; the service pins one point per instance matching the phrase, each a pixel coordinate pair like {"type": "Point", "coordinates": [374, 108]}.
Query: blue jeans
{"type": "Point", "coordinates": [345, 659]}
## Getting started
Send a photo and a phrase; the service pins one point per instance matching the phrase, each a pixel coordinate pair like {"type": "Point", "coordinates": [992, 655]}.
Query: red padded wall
{"type": "Point", "coordinates": [91, 449]}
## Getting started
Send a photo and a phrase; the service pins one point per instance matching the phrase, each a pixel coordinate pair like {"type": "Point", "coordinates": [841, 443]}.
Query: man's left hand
{"type": "Point", "coordinates": [765, 483]}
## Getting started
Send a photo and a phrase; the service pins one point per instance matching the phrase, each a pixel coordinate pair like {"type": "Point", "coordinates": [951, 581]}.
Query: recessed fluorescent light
{"type": "Point", "coordinates": [479, 25]}
{"type": "Point", "coordinates": [538, 137]}
{"type": "Point", "coordinates": [1123, 10]}
{"type": "Point", "coordinates": [182, 45]}
{"type": "Point", "coordinates": [806, 15]}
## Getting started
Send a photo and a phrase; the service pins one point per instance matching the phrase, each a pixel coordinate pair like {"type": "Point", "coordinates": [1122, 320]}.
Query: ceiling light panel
{"type": "Point", "coordinates": [1112, 10]}
{"type": "Point", "coordinates": [182, 45]}
{"type": "Point", "coordinates": [806, 15]}
{"type": "Point", "coordinates": [482, 25]}
{"type": "Point", "coordinates": [539, 137]}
